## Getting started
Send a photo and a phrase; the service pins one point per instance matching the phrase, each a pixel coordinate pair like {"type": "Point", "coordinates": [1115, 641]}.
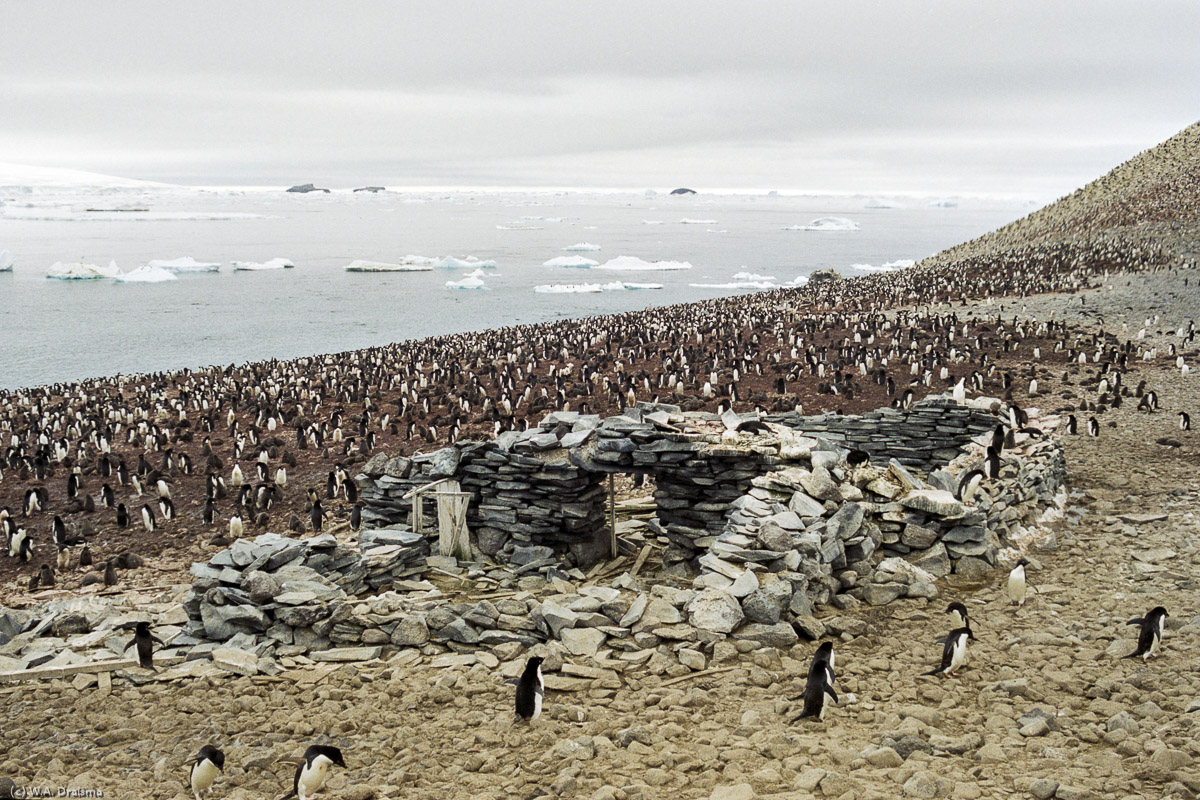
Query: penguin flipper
{"type": "Point", "coordinates": [941, 640]}
{"type": "Point", "coordinates": [829, 691]}
{"type": "Point", "coordinates": [1137, 621]}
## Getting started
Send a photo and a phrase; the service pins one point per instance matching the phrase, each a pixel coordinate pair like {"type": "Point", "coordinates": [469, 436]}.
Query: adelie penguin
{"type": "Point", "coordinates": [1017, 584]}
{"type": "Point", "coordinates": [959, 617]}
{"type": "Point", "coordinates": [313, 769]}
{"type": "Point", "coordinates": [819, 684]}
{"type": "Point", "coordinates": [1150, 633]}
{"type": "Point", "coordinates": [1093, 426]}
{"type": "Point", "coordinates": [954, 652]}
{"type": "Point", "coordinates": [530, 690]}
{"type": "Point", "coordinates": [122, 516]}
{"type": "Point", "coordinates": [144, 640]}
{"type": "Point", "coordinates": [207, 764]}
{"type": "Point", "coordinates": [148, 518]}
{"type": "Point", "coordinates": [1185, 421]}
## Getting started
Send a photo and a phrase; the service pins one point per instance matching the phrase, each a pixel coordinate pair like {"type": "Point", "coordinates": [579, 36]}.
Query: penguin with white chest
{"type": "Point", "coordinates": [958, 615]}
{"type": "Point", "coordinates": [207, 764]}
{"type": "Point", "coordinates": [1017, 584]}
{"type": "Point", "coordinates": [530, 690]}
{"type": "Point", "coordinates": [954, 652]}
{"type": "Point", "coordinates": [312, 771]}
{"type": "Point", "coordinates": [1150, 634]}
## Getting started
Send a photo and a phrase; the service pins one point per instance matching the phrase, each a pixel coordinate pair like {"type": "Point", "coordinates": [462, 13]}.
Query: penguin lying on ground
{"type": "Point", "coordinates": [1150, 635]}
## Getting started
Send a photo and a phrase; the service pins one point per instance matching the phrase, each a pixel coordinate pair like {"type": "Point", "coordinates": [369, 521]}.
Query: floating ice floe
{"type": "Point", "coordinates": [582, 247]}
{"type": "Point", "coordinates": [751, 276]}
{"type": "Point", "coordinates": [6, 261]}
{"type": "Point", "coordinates": [518, 227]}
{"type": "Point", "coordinates": [652, 222]}
{"type": "Point", "coordinates": [578, 262]}
{"type": "Point", "coordinates": [418, 264]}
{"type": "Point", "coordinates": [473, 280]}
{"type": "Point", "coordinates": [686, 221]}
{"type": "Point", "coordinates": [470, 262]}
{"type": "Point", "coordinates": [881, 202]}
{"type": "Point", "coordinates": [35, 214]}
{"type": "Point", "coordinates": [826, 224]}
{"type": "Point", "coordinates": [147, 274]}
{"type": "Point", "coordinates": [590, 288]}
{"type": "Point", "coordinates": [635, 264]}
{"type": "Point", "coordinates": [254, 266]}
{"type": "Point", "coordinates": [890, 266]}
{"type": "Point", "coordinates": [184, 264]}
{"type": "Point", "coordinates": [82, 272]}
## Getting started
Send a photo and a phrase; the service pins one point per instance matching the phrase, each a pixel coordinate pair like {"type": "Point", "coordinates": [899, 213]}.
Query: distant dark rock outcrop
{"type": "Point", "coordinates": [371, 189]}
{"type": "Point", "coordinates": [305, 188]}
{"type": "Point", "coordinates": [682, 190]}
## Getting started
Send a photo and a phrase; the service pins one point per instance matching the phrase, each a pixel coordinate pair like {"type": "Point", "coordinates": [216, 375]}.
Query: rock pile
{"type": "Point", "coordinates": [289, 590]}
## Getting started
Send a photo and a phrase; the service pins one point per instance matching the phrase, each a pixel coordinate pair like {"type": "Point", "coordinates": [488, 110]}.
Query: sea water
{"type": "Point", "coordinates": [52, 330]}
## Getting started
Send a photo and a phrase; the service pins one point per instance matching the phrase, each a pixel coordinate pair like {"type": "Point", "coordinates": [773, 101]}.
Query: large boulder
{"type": "Point", "coordinates": [715, 610]}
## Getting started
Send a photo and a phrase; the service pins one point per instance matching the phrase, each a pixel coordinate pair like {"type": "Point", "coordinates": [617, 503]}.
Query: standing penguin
{"type": "Point", "coordinates": [110, 573]}
{"type": "Point", "coordinates": [1016, 583]}
{"type": "Point", "coordinates": [954, 652]}
{"type": "Point", "coordinates": [958, 615]}
{"type": "Point", "coordinates": [1093, 426]}
{"type": "Point", "coordinates": [819, 683]}
{"type": "Point", "coordinates": [148, 518]}
{"type": "Point", "coordinates": [1185, 421]}
{"type": "Point", "coordinates": [85, 556]}
{"type": "Point", "coordinates": [1150, 635]}
{"type": "Point", "coordinates": [47, 576]}
{"type": "Point", "coordinates": [145, 645]}
{"type": "Point", "coordinates": [205, 766]}
{"type": "Point", "coordinates": [530, 689]}
{"type": "Point", "coordinates": [313, 769]}
{"type": "Point", "coordinates": [1072, 424]}
{"type": "Point", "coordinates": [122, 516]}
{"type": "Point", "coordinates": [356, 517]}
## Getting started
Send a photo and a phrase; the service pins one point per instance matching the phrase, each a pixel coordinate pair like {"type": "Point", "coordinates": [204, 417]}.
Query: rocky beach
{"type": "Point", "coordinates": [672, 665]}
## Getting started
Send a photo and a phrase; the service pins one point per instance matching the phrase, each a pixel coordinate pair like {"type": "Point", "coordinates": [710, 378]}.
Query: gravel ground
{"type": "Point", "coordinates": [1046, 706]}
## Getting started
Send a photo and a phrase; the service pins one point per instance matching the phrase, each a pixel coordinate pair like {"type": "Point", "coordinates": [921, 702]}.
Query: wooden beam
{"type": "Point", "coordinates": [641, 559]}
{"type": "Point", "coordinates": [612, 516]}
{"type": "Point", "coordinates": [42, 673]}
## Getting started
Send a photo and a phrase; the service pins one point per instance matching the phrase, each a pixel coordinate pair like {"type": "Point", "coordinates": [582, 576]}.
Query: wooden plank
{"type": "Point", "coordinates": [700, 674]}
{"type": "Point", "coordinates": [42, 673]}
{"type": "Point", "coordinates": [641, 559]}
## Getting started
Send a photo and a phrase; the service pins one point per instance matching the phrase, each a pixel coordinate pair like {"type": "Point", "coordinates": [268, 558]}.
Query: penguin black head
{"type": "Point", "coordinates": [212, 754]}
{"type": "Point", "coordinates": [314, 751]}
{"type": "Point", "coordinates": [960, 611]}
{"type": "Point", "coordinates": [856, 457]}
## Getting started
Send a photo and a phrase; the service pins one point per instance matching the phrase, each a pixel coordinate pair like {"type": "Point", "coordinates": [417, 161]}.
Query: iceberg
{"type": "Point", "coordinates": [378, 266]}
{"type": "Point", "coordinates": [736, 285]}
{"type": "Point", "coordinates": [880, 202]}
{"type": "Point", "coordinates": [184, 264]}
{"type": "Point", "coordinates": [578, 262]}
{"type": "Point", "coordinates": [116, 214]}
{"type": "Point", "coordinates": [686, 221]}
{"type": "Point", "coordinates": [652, 222]}
{"type": "Point", "coordinates": [582, 247]}
{"type": "Point", "coordinates": [635, 264]}
{"type": "Point", "coordinates": [826, 224]}
{"type": "Point", "coordinates": [473, 280]}
{"type": "Point", "coordinates": [147, 274]}
{"type": "Point", "coordinates": [470, 262]}
{"type": "Point", "coordinates": [591, 288]}
{"type": "Point", "coordinates": [750, 276]}
{"type": "Point", "coordinates": [81, 272]}
{"type": "Point", "coordinates": [254, 266]}
{"type": "Point", "coordinates": [6, 261]}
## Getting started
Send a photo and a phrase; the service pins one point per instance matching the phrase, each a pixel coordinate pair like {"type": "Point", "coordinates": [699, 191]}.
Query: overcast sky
{"type": "Point", "coordinates": [1031, 98]}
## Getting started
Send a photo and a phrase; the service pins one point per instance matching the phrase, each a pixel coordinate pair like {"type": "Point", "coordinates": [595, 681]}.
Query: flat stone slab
{"type": "Point", "coordinates": [234, 660]}
{"type": "Point", "coordinates": [347, 654]}
{"type": "Point", "coordinates": [1141, 519]}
